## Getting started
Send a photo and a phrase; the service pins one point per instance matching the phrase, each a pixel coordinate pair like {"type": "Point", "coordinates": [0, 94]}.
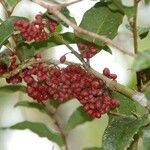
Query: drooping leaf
{"type": "Point", "coordinates": [28, 50]}
{"type": "Point", "coordinates": [101, 20]}
{"type": "Point", "coordinates": [7, 28]}
{"type": "Point", "coordinates": [121, 130]}
{"type": "Point", "coordinates": [13, 88]}
{"type": "Point", "coordinates": [142, 61]}
{"type": "Point", "coordinates": [30, 105]}
{"type": "Point", "coordinates": [78, 117]}
{"type": "Point", "coordinates": [40, 129]}
{"type": "Point", "coordinates": [127, 106]}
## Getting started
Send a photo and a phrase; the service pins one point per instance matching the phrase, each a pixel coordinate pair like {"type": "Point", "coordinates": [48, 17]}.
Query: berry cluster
{"type": "Point", "coordinates": [12, 66]}
{"type": "Point", "coordinates": [87, 51]}
{"type": "Point", "coordinates": [107, 73]}
{"type": "Point", "coordinates": [35, 30]}
{"type": "Point", "coordinates": [44, 82]}
{"type": "Point", "coordinates": [47, 81]}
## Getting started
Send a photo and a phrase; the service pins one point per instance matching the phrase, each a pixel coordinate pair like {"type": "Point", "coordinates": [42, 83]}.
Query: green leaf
{"type": "Point", "coordinates": [28, 50]}
{"type": "Point", "coordinates": [40, 129]}
{"type": "Point", "coordinates": [143, 32]}
{"type": "Point", "coordinates": [30, 105]}
{"type": "Point", "coordinates": [147, 93]}
{"type": "Point", "coordinates": [94, 148]}
{"type": "Point", "coordinates": [13, 88]}
{"type": "Point", "coordinates": [147, 1]}
{"type": "Point", "coordinates": [116, 5]}
{"type": "Point", "coordinates": [5, 59]}
{"type": "Point", "coordinates": [7, 28]}
{"type": "Point", "coordinates": [121, 130]}
{"type": "Point", "coordinates": [127, 106]}
{"type": "Point", "coordinates": [79, 116]}
{"type": "Point", "coordinates": [11, 3]}
{"type": "Point", "coordinates": [146, 138]}
{"type": "Point", "coordinates": [1, 20]}
{"type": "Point", "coordinates": [101, 20]}
{"type": "Point", "coordinates": [142, 61]}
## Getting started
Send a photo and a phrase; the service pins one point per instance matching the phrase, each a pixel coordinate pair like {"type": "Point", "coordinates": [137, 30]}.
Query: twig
{"type": "Point", "coordinates": [5, 7]}
{"type": "Point", "coordinates": [33, 61]}
{"type": "Point", "coordinates": [135, 36]}
{"type": "Point", "coordinates": [56, 121]}
{"type": "Point", "coordinates": [55, 10]}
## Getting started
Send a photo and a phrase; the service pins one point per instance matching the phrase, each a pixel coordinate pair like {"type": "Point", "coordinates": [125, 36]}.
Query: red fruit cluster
{"type": "Point", "coordinates": [87, 51]}
{"type": "Point", "coordinates": [35, 30]}
{"type": "Point", "coordinates": [107, 73]}
{"type": "Point", "coordinates": [44, 82]}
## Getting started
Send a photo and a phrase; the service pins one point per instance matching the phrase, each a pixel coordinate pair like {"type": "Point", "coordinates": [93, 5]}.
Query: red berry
{"type": "Point", "coordinates": [63, 59]}
{"type": "Point", "coordinates": [106, 72]}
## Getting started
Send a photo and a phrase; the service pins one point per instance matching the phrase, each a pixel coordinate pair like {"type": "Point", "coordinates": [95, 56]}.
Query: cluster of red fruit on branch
{"type": "Point", "coordinates": [109, 75]}
{"type": "Point", "coordinates": [51, 82]}
{"type": "Point", "coordinates": [35, 31]}
{"type": "Point", "coordinates": [87, 50]}
{"type": "Point", "coordinates": [47, 81]}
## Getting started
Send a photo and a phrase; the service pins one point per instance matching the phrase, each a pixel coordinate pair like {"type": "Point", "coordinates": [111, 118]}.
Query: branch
{"type": "Point", "coordinates": [113, 85]}
{"type": "Point", "coordinates": [55, 11]}
{"type": "Point", "coordinates": [135, 39]}
{"type": "Point", "coordinates": [28, 63]}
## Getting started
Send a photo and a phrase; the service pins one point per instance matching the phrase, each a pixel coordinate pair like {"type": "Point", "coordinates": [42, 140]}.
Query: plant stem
{"type": "Point", "coordinates": [5, 7]}
{"type": "Point", "coordinates": [135, 39]}
{"type": "Point", "coordinates": [56, 121]}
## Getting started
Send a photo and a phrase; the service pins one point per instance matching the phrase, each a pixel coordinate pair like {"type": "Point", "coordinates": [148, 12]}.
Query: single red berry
{"type": "Point", "coordinates": [113, 76]}
{"type": "Point", "coordinates": [106, 72]}
{"type": "Point", "coordinates": [62, 59]}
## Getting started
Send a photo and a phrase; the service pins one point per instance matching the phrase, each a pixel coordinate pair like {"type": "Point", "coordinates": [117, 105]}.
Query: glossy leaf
{"type": "Point", "coordinates": [79, 116]}
{"type": "Point", "coordinates": [40, 129]}
{"type": "Point", "coordinates": [28, 104]}
{"type": "Point", "coordinates": [142, 61]}
{"type": "Point", "coordinates": [101, 20]}
{"type": "Point", "coordinates": [127, 106]}
{"type": "Point", "coordinates": [13, 88]}
{"type": "Point", "coordinates": [121, 130]}
{"type": "Point", "coordinates": [7, 28]}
